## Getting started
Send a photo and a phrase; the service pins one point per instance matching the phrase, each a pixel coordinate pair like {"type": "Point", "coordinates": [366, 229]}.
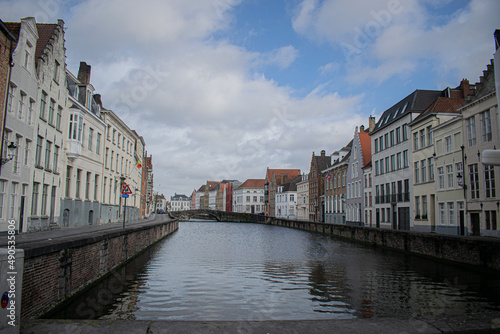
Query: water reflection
{"type": "Point", "coordinates": [229, 271]}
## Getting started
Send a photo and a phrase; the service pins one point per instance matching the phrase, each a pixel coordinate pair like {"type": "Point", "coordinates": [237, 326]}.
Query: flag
{"type": "Point", "coordinates": [328, 177]}
{"type": "Point", "coordinates": [138, 164]}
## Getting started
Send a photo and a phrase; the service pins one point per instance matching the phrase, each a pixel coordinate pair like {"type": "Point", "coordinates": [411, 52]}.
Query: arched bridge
{"type": "Point", "coordinates": [219, 216]}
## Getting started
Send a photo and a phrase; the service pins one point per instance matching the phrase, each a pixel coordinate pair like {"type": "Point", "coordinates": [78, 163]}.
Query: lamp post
{"type": "Point", "coordinates": [122, 178]}
{"type": "Point", "coordinates": [12, 146]}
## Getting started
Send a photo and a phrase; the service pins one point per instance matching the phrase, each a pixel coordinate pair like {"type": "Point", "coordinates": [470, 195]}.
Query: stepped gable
{"type": "Point", "coordinates": [45, 31]}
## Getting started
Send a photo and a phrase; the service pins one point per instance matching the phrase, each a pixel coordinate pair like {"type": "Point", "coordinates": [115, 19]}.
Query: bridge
{"type": "Point", "coordinates": [220, 216]}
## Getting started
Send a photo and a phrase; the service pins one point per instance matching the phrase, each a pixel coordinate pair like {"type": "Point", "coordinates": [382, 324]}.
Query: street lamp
{"type": "Point", "coordinates": [12, 146]}
{"type": "Point", "coordinates": [122, 178]}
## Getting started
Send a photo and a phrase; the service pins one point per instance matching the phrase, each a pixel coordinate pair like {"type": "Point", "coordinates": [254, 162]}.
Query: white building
{"type": "Point", "coordinates": [303, 198]}
{"type": "Point", "coordinates": [286, 199]}
{"type": "Point", "coordinates": [180, 202]}
{"type": "Point", "coordinates": [120, 165]}
{"type": "Point", "coordinates": [22, 96]}
{"type": "Point", "coordinates": [84, 147]}
{"type": "Point", "coordinates": [392, 158]}
{"type": "Point", "coordinates": [368, 195]}
{"type": "Point", "coordinates": [249, 196]}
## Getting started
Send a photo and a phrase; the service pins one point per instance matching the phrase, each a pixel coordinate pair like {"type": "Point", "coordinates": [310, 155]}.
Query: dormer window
{"type": "Point", "coordinates": [75, 93]}
{"type": "Point", "coordinates": [89, 99]}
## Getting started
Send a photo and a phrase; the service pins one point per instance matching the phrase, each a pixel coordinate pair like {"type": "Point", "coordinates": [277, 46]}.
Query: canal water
{"type": "Point", "coordinates": [238, 271]}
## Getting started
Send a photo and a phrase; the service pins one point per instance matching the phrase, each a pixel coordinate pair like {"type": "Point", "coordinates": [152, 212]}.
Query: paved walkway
{"type": "Point", "coordinates": [68, 232]}
{"type": "Point", "coordinates": [358, 326]}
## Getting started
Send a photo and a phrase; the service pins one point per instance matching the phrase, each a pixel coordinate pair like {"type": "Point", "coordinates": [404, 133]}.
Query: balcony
{"type": "Point", "coordinates": [74, 148]}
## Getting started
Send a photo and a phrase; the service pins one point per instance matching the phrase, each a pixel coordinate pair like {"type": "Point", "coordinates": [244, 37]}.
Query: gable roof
{"type": "Point", "coordinates": [45, 31]}
{"type": "Point", "coordinates": [417, 101]}
{"type": "Point", "coordinates": [290, 173]}
{"type": "Point", "coordinates": [366, 147]}
{"type": "Point", "coordinates": [253, 183]}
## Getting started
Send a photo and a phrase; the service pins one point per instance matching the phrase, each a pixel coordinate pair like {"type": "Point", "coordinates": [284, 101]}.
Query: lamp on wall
{"type": "Point", "coordinates": [460, 179]}
{"type": "Point", "coordinates": [12, 146]}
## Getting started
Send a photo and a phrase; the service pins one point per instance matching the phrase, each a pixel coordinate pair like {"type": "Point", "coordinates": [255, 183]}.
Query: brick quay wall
{"type": "Point", "coordinates": [477, 251]}
{"type": "Point", "coordinates": [58, 269]}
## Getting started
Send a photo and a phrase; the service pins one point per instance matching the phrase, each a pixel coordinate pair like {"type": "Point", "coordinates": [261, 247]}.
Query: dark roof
{"type": "Point", "coordinates": [45, 31]}
{"type": "Point", "coordinates": [322, 161]}
{"type": "Point", "coordinates": [11, 29]}
{"type": "Point", "coordinates": [417, 101]}
{"type": "Point", "coordinates": [179, 197]}
{"type": "Point", "coordinates": [292, 184]}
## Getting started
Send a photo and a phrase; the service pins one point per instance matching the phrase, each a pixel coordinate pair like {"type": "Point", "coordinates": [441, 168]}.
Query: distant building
{"type": "Point", "coordinates": [180, 202]}
{"type": "Point", "coordinates": [274, 178]}
{"type": "Point", "coordinates": [335, 177]}
{"type": "Point", "coordinates": [303, 197]}
{"type": "Point", "coordinates": [316, 185]}
{"type": "Point", "coordinates": [249, 196]}
{"type": "Point", "coordinates": [286, 199]}
{"type": "Point", "coordinates": [160, 203]}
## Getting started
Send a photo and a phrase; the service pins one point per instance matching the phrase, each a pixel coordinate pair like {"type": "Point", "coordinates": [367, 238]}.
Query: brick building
{"type": "Point", "coordinates": [316, 185]}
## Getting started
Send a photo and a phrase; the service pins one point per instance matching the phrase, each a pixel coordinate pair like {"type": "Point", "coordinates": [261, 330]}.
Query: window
{"type": "Point", "coordinates": [422, 138]}
{"type": "Point", "coordinates": [471, 131]}
{"type": "Point", "coordinates": [22, 99]}
{"type": "Point", "coordinates": [486, 125]}
{"type": "Point", "coordinates": [491, 220]}
{"type": "Point", "coordinates": [429, 136]}
{"type": "Point", "coordinates": [424, 207]}
{"type": "Point", "coordinates": [405, 132]}
{"type": "Point", "coordinates": [381, 141]}
{"type": "Point", "coordinates": [75, 127]}
{"type": "Point", "coordinates": [405, 158]}
{"type": "Point", "coordinates": [45, 190]}
{"type": "Point", "coordinates": [58, 118]}
{"type": "Point", "coordinates": [87, 186]}
{"type": "Point", "coordinates": [255, 199]}
{"type": "Point", "coordinates": [417, 207]}
{"type": "Point", "coordinates": [417, 172]}
{"type": "Point", "coordinates": [13, 194]}
{"type": "Point", "coordinates": [442, 213]}
{"type": "Point", "coordinates": [98, 144]}
{"type": "Point", "coordinates": [399, 162]}
{"type": "Point", "coordinates": [398, 135]}
{"type": "Point", "coordinates": [382, 166]}
{"type": "Point", "coordinates": [38, 152]}
{"type": "Point", "coordinates": [43, 105]}
{"type": "Point", "coordinates": [423, 167]}
{"type": "Point", "coordinates": [451, 213]}
{"type": "Point", "coordinates": [56, 71]}
{"type": "Point", "coordinates": [393, 162]}
{"type": "Point", "coordinates": [34, 199]}
{"type": "Point", "coordinates": [376, 145]}
{"type": "Point", "coordinates": [474, 181]}
{"type": "Point", "coordinates": [489, 177]}
{"type": "Point", "coordinates": [10, 98]}
{"type": "Point", "coordinates": [441, 177]}
{"type": "Point", "coordinates": [386, 139]}
{"type": "Point", "coordinates": [27, 146]}
{"type": "Point", "coordinates": [2, 196]}
{"type": "Point", "coordinates": [91, 134]}
{"type": "Point", "coordinates": [447, 144]}
{"type": "Point", "coordinates": [392, 138]}
{"type": "Point", "coordinates": [114, 136]}
{"type": "Point", "coordinates": [29, 117]}
{"type": "Point", "coordinates": [111, 161]}
{"type": "Point", "coordinates": [449, 176]}
{"type": "Point", "coordinates": [431, 168]}
{"type": "Point", "coordinates": [78, 181]}
{"type": "Point", "coordinates": [377, 171]}
{"type": "Point", "coordinates": [56, 158]}
{"type": "Point", "coordinates": [51, 111]}
{"type": "Point", "coordinates": [48, 149]}
{"type": "Point", "coordinates": [68, 181]}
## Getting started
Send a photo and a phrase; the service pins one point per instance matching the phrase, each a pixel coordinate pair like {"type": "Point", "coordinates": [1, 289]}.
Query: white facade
{"type": "Point", "coordinates": [285, 203]}
{"type": "Point", "coordinates": [249, 197]}
{"type": "Point", "coordinates": [303, 198]}
{"type": "Point", "coordinates": [368, 196]}
{"type": "Point", "coordinates": [180, 203]}
{"type": "Point", "coordinates": [22, 96]}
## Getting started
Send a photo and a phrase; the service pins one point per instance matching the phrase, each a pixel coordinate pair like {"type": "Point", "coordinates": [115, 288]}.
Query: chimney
{"type": "Point", "coordinates": [323, 153]}
{"type": "Point", "coordinates": [84, 73]}
{"type": "Point", "coordinates": [371, 123]}
{"type": "Point", "coordinates": [97, 98]}
{"type": "Point", "coordinates": [362, 128]}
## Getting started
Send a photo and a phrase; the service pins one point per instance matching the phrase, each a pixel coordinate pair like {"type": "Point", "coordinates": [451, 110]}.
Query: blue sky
{"type": "Point", "coordinates": [236, 86]}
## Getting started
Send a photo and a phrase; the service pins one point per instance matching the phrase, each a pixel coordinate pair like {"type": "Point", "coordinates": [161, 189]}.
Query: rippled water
{"type": "Point", "coordinates": [237, 271]}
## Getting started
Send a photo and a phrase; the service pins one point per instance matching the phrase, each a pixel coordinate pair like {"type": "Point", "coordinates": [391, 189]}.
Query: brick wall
{"type": "Point", "coordinates": [56, 270]}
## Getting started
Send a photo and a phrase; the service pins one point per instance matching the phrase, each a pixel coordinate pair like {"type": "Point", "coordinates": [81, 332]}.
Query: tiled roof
{"type": "Point", "coordinates": [366, 147]}
{"type": "Point", "coordinates": [14, 28]}
{"type": "Point", "coordinates": [278, 172]}
{"type": "Point", "coordinates": [45, 31]}
{"type": "Point", "coordinates": [441, 105]}
{"type": "Point", "coordinates": [253, 183]}
{"type": "Point", "coordinates": [417, 101]}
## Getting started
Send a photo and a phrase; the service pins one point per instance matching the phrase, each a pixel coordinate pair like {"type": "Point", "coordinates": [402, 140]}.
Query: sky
{"type": "Point", "coordinates": [223, 89]}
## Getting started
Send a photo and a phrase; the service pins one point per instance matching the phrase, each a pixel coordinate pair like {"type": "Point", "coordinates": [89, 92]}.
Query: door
{"type": "Point", "coordinates": [394, 218]}
{"type": "Point", "coordinates": [404, 219]}
{"type": "Point", "coordinates": [475, 223]}
{"type": "Point", "coordinates": [91, 217]}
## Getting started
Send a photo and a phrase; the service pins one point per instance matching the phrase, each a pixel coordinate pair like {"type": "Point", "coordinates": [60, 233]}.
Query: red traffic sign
{"type": "Point", "coordinates": [126, 190]}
